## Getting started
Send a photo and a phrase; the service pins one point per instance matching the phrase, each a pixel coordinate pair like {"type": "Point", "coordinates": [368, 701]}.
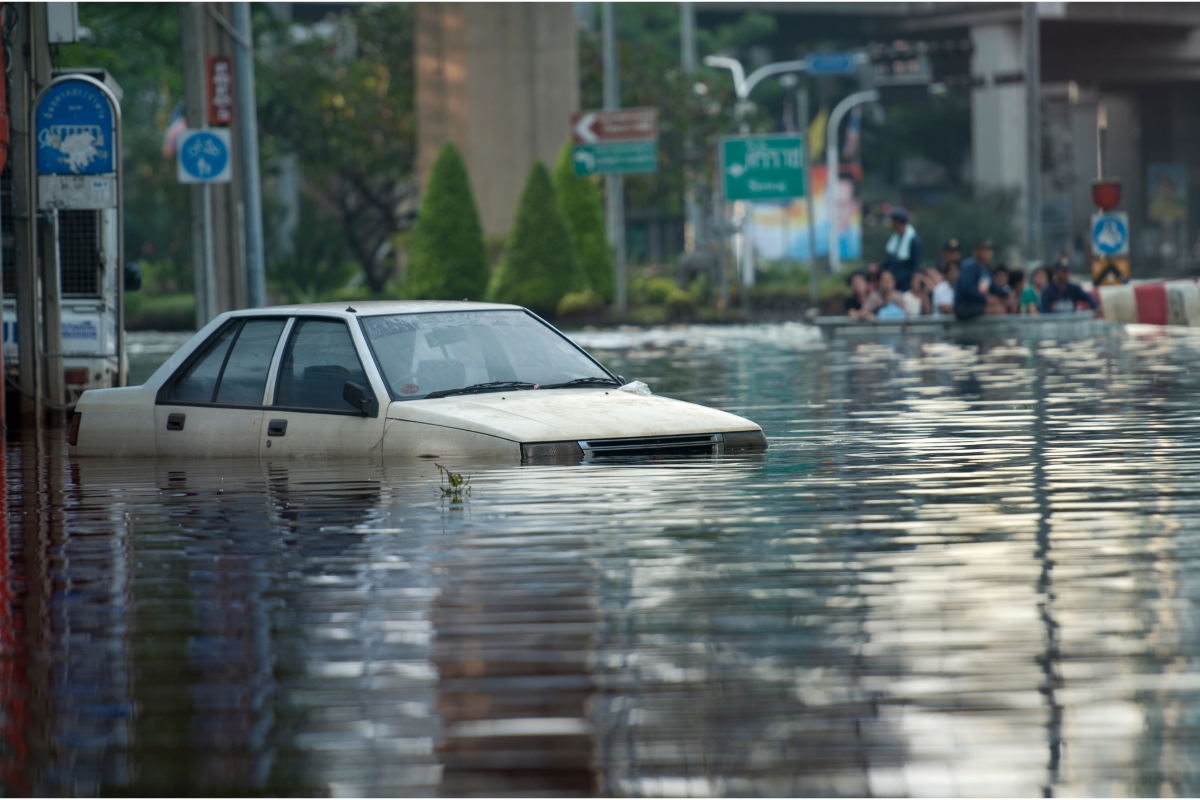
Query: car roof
{"type": "Point", "coordinates": [370, 308]}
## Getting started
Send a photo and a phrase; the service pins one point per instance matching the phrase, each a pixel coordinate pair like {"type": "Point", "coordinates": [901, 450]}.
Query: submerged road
{"type": "Point", "coordinates": [961, 568]}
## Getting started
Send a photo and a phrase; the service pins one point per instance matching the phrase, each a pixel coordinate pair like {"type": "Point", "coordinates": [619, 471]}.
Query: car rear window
{"type": "Point", "coordinates": [233, 367]}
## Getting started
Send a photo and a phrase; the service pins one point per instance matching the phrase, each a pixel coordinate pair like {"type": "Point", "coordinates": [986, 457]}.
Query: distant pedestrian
{"type": "Point", "coordinates": [1032, 296]}
{"type": "Point", "coordinates": [893, 304]}
{"type": "Point", "coordinates": [951, 254]}
{"type": "Point", "coordinates": [942, 299]}
{"type": "Point", "coordinates": [916, 300]}
{"type": "Point", "coordinates": [1062, 295]}
{"type": "Point", "coordinates": [974, 283]}
{"type": "Point", "coordinates": [903, 249]}
{"type": "Point", "coordinates": [1016, 286]}
{"type": "Point", "coordinates": [1000, 292]}
{"type": "Point", "coordinates": [863, 300]}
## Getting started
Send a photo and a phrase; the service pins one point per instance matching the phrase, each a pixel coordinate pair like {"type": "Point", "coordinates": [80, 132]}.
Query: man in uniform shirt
{"type": "Point", "coordinates": [1062, 295]}
{"type": "Point", "coordinates": [903, 250]}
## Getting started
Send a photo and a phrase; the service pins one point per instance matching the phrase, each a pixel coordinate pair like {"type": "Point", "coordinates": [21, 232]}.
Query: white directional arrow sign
{"type": "Point", "coordinates": [583, 129]}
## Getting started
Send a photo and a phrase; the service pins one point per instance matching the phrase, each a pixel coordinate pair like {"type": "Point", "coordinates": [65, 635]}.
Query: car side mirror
{"type": "Point", "coordinates": [621, 378]}
{"type": "Point", "coordinates": [356, 396]}
{"type": "Point", "coordinates": [133, 276]}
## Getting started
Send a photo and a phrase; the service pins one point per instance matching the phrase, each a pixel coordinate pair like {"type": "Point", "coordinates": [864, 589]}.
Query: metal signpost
{"type": "Point", "coordinates": [77, 130]}
{"type": "Point", "coordinates": [204, 158]}
{"type": "Point", "coordinates": [624, 141]}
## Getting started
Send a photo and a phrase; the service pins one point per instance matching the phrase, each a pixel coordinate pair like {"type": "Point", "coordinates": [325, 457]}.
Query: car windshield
{"type": "Point", "coordinates": [467, 351]}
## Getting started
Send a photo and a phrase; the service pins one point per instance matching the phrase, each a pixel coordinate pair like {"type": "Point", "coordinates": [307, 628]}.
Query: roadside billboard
{"type": "Point", "coordinates": [780, 229]}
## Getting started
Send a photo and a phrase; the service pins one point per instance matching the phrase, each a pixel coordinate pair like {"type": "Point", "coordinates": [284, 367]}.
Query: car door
{"type": "Point", "coordinates": [213, 406]}
{"type": "Point", "coordinates": [307, 415]}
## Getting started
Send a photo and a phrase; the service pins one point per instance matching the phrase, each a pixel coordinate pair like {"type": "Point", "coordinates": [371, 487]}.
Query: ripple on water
{"type": "Point", "coordinates": [961, 569]}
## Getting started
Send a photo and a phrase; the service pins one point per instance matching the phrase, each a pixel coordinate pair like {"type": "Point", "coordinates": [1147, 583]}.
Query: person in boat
{"type": "Point", "coordinates": [903, 250]}
{"type": "Point", "coordinates": [1062, 295]}
{"type": "Point", "coordinates": [893, 304]}
{"type": "Point", "coordinates": [942, 280]}
{"type": "Point", "coordinates": [863, 300]}
{"type": "Point", "coordinates": [1031, 297]}
{"type": "Point", "coordinates": [974, 283]}
{"type": "Point", "coordinates": [917, 301]}
{"type": "Point", "coordinates": [1016, 285]}
{"type": "Point", "coordinates": [997, 303]}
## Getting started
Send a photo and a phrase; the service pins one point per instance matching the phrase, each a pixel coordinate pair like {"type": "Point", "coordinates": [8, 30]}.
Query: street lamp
{"type": "Point", "coordinates": [831, 167]}
{"type": "Point", "coordinates": [742, 85]}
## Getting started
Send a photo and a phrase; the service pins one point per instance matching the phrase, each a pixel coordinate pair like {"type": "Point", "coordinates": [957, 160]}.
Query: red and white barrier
{"type": "Point", "coordinates": [1163, 303]}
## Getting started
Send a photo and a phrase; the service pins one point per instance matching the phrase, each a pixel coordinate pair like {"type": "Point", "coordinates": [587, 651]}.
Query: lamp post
{"type": "Point", "coordinates": [743, 85]}
{"type": "Point", "coordinates": [831, 167]}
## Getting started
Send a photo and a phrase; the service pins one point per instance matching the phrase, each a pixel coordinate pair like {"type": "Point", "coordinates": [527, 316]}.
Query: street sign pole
{"type": "Point", "coordinates": [814, 287]}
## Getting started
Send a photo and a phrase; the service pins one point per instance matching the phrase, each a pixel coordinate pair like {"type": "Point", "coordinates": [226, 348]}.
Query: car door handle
{"type": "Point", "coordinates": [175, 421]}
{"type": "Point", "coordinates": [277, 427]}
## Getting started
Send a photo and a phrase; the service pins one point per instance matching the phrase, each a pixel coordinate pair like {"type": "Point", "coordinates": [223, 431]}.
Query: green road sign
{"type": "Point", "coordinates": [624, 157]}
{"type": "Point", "coordinates": [763, 167]}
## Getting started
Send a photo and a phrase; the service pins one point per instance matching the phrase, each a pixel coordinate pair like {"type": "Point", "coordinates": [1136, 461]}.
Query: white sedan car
{"type": "Point", "coordinates": [416, 379]}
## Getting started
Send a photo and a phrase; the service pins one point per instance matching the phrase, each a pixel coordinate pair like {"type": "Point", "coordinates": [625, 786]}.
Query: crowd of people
{"type": "Point", "coordinates": [898, 287]}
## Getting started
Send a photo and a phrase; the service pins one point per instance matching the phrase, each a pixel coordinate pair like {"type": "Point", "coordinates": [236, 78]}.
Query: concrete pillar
{"type": "Point", "coordinates": [501, 81]}
{"type": "Point", "coordinates": [998, 112]}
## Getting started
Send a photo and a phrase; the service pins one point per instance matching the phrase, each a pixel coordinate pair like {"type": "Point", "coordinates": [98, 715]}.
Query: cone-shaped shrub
{"type": "Point", "coordinates": [540, 264]}
{"type": "Point", "coordinates": [447, 259]}
{"type": "Point", "coordinates": [580, 201]}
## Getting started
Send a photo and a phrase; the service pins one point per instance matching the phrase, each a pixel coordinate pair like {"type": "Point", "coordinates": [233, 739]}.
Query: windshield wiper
{"type": "Point", "coordinates": [582, 382]}
{"type": "Point", "coordinates": [490, 386]}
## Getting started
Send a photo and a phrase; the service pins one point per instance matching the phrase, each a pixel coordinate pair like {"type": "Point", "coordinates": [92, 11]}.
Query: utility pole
{"type": "Point", "coordinates": [1033, 132]}
{"type": "Point", "coordinates": [693, 234]}
{"type": "Point", "coordinates": [31, 70]}
{"type": "Point", "coordinates": [614, 184]}
{"type": "Point", "coordinates": [218, 212]}
{"type": "Point", "coordinates": [247, 124]}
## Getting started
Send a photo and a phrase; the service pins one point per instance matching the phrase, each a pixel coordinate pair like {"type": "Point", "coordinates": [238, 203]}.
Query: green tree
{"type": "Point", "coordinates": [580, 202]}
{"type": "Point", "coordinates": [540, 265]}
{"type": "Point", "coordinates": [447, 259]}
{"type": "Point", "coordinates": [341, 98]}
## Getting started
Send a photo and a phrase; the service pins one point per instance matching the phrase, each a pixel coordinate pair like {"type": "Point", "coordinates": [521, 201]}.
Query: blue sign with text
{"type": "Point", "coordinates": [832, 64]}
{"type": "Point", "coordinates": [75, 130]}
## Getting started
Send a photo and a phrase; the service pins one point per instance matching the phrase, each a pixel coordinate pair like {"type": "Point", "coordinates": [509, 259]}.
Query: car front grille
{"type": "Point", "coordinates": [652, 446]}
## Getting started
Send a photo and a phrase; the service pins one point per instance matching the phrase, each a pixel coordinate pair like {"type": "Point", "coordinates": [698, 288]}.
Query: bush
{"type": "Point", "coordinates": [580, 201]}
{"type": "Point", "coordinates": [580, 304]}
{"type": "Point", "coordinates": [447, 259]}
{"type": "Point", "coordinates": [540, 265]}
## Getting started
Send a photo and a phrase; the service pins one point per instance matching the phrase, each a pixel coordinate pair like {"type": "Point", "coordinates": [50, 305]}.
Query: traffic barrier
{"type": "Point", "coordinates": [1163, 303]}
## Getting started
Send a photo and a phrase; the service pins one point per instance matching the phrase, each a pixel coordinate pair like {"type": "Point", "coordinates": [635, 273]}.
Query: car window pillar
{"type": "Point", "coordinates": [276, 360]}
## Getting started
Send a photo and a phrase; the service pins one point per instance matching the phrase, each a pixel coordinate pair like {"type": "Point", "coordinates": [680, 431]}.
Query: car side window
{"type": "Point", "coordinates": [319, 359]}
{"type": "Point", "coordinates": [199, 382]}
{"type": "Point", "coordinates": [233, 368]}
{"type": "Point", "coordinates": [245, 375]}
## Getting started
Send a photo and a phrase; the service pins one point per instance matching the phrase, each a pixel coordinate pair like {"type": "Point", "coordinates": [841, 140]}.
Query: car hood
{"type": "Point", "coordinates": [568, 414]}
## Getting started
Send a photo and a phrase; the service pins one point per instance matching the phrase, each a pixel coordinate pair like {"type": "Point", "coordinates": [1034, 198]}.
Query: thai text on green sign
{"type": "Point", "coordinates": [763, 167]}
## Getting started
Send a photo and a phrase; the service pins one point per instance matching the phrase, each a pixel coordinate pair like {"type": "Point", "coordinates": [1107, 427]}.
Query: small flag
{"type": "Point", "coordinates": [175, 127]}
{"type": "Point", "coordinates": [816, 136]}
{"type": "Point", "coordinates": [853, 131]}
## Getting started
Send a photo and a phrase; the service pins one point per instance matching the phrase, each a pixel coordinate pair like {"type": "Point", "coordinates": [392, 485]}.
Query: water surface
{"type": "Point", "coordinates": [961, 569]}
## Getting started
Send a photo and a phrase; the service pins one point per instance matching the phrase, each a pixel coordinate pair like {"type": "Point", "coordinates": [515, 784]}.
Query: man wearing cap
{"type": "Point", "coordinates": [1062, 295]}
{"type": "Point", "coordinates": [903, 257]}
{"type": "Point", "coordinates": [975, 283]}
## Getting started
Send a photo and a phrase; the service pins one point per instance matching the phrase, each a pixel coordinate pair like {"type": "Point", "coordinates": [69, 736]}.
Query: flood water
{"type": "Point", "coordinates": [961, 569]}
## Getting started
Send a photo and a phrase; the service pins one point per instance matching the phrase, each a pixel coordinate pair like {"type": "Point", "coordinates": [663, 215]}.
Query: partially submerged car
{"type": "Point", "coordinates": [416, 379]}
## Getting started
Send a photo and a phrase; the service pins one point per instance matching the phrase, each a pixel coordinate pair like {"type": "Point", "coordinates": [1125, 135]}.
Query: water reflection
{"type": "Point", "coordinates": [962, 568]}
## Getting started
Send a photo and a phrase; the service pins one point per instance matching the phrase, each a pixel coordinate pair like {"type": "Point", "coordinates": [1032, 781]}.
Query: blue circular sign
{"type": "Point", "coordinates": [75, 130]}
{"type": "Point", "coordinates": [204, 155]}
{"type": "Point", "coordinates": [1110, 235]}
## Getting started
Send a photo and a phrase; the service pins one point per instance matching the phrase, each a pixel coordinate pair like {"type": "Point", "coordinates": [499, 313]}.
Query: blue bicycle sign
{"type": "Point", "coordinates": [204, 156]}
